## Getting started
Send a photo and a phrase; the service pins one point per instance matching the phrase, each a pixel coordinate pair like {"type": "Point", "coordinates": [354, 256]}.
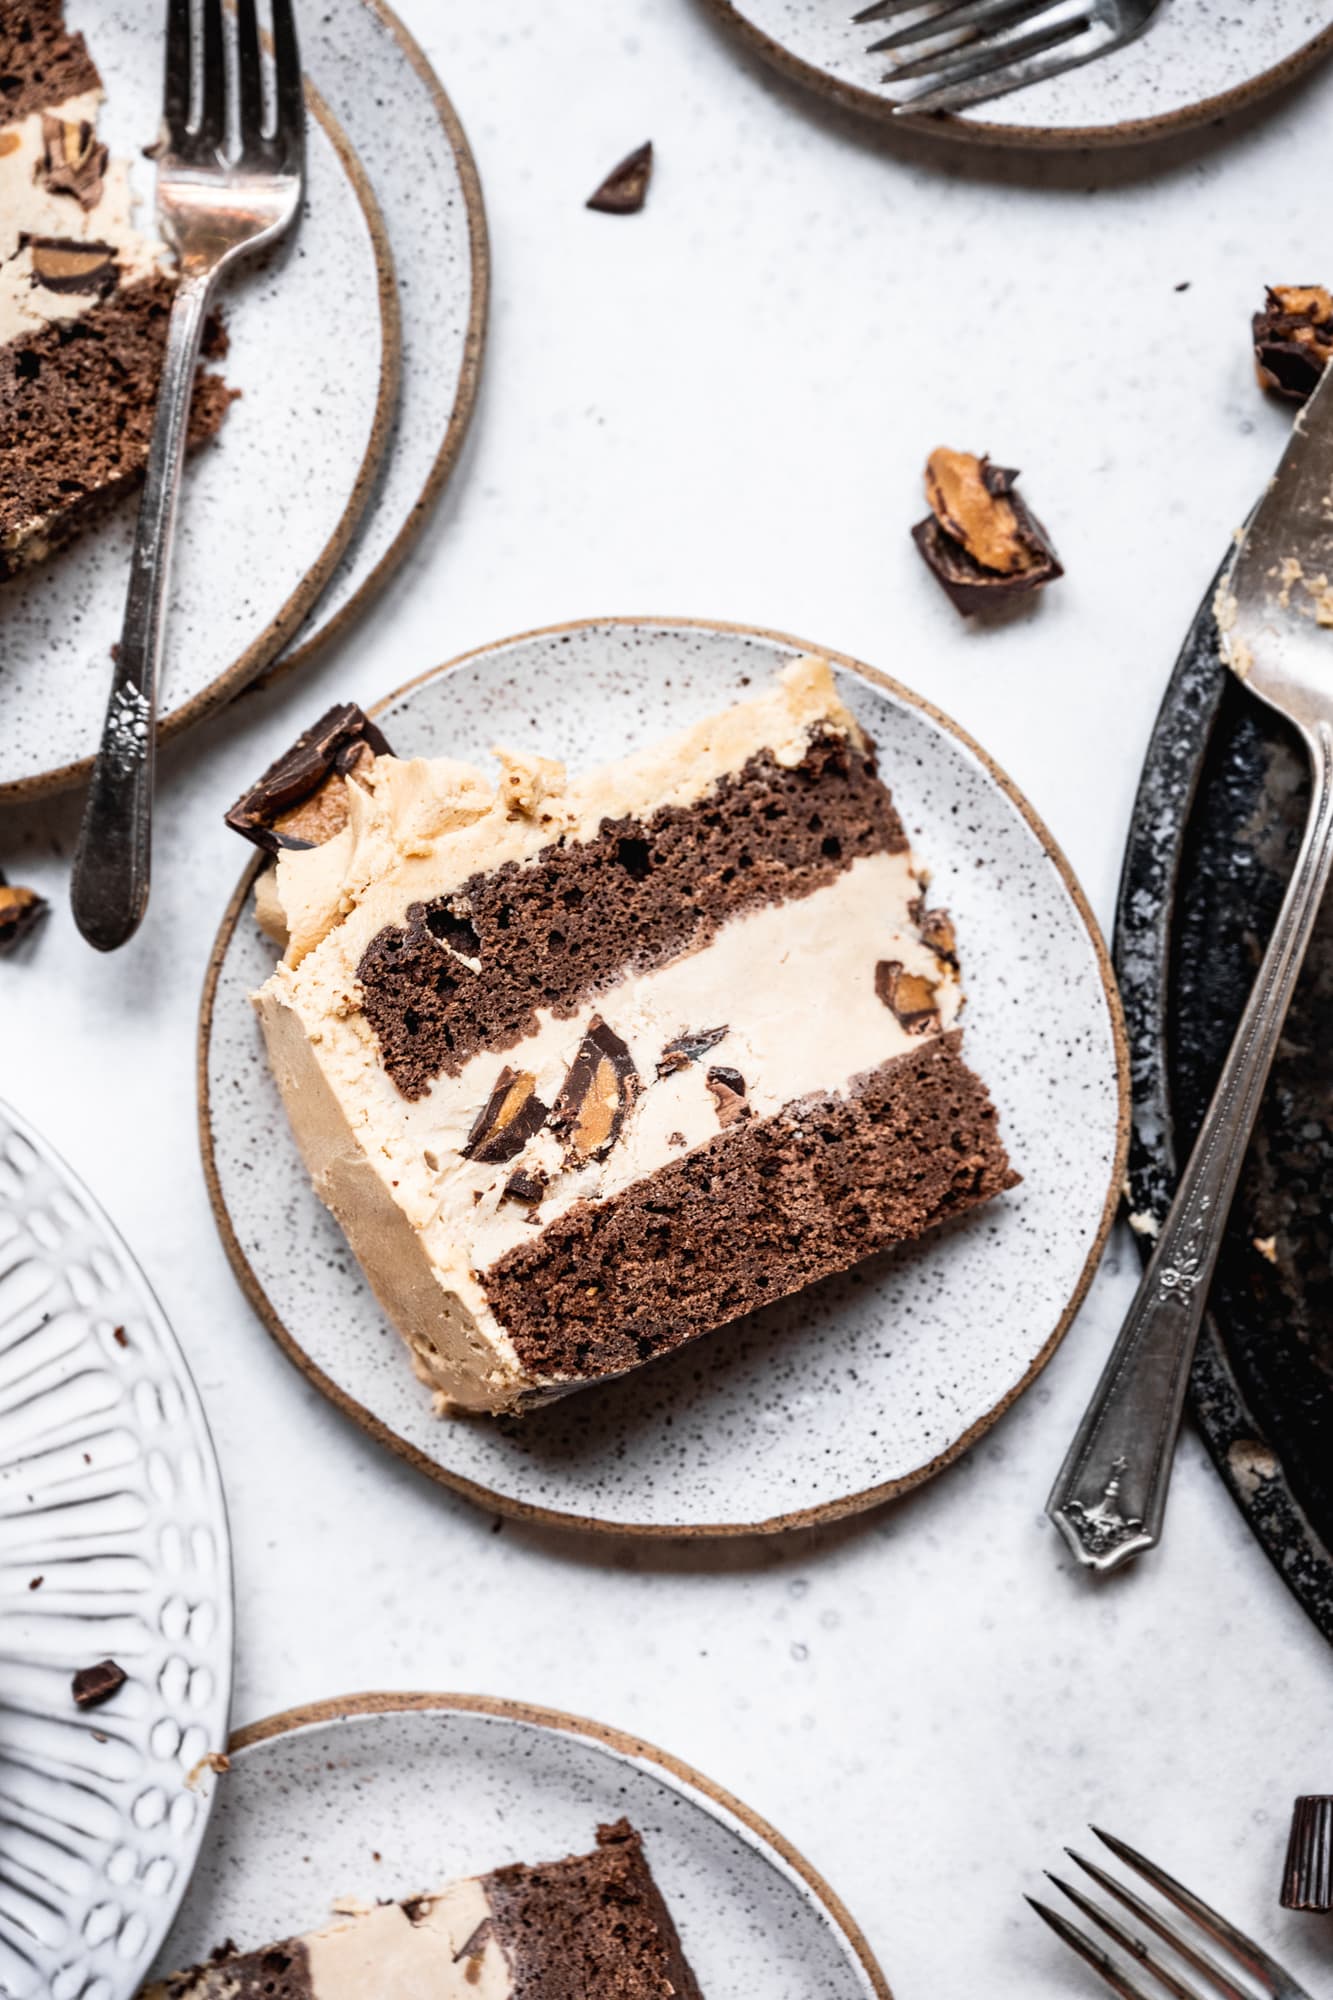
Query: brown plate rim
{"type": "Point", "coordinates": [465, 399]}
{"type": "Point", "coordinates": [336, 1708]}
{"type": "Point", "coordinates": [830, 1510]}
{"type": "Point", "coordinates": [1043, 138]}
{"type": "Point", "coordinates": [280, 628]}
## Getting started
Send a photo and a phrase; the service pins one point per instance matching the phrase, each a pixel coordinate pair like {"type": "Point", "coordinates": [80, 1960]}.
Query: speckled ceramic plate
{"type": "Point", "coordinates": [269, 507]}
{"type": "Point", "coordinates": [856, 1389]}
{"type": "Point", "coordinates": [386, 1795]}
{"type": "Point", "coordinates": [1196, 62]}
{"type": "Point", "coordinates": [407, 135]}
{"type": "Point", "coordinates": [1221, 805]}
{"type": "Point", "coordinates": [113, 1543]}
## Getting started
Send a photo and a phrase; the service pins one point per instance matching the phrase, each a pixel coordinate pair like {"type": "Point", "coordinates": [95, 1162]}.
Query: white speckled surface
{"type": "Point", "coordinates": [396, 1803]}
{"type": "Point", "coordinates": [722, 406]}
{"type": "Point", "coordinates": [857, 1384]}
{"type": "Point", "coordinates": [1194, 52]}
{"type": "Point", "coordinates": [260, 503]}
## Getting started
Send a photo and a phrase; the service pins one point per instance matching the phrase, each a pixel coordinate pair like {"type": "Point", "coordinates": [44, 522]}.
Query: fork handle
{"type": "Point", "coordinates": [1110, 1496]}
{"type": "Point", "coordinates": [112, 864]}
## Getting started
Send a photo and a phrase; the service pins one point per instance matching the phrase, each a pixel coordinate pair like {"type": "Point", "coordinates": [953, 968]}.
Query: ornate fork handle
{"type": "Point", "coordinates": [1110, 1496]}
{"type": "Point", "coordinates": [112, 863]}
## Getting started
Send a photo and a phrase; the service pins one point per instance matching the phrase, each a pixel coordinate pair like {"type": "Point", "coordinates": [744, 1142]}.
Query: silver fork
{"type": "Point", "coordinates": [1188, 1942]}
{"type": "Point", "coordinates": [992, 56]}
{"type": "Point", "coordinates": [229, 182]}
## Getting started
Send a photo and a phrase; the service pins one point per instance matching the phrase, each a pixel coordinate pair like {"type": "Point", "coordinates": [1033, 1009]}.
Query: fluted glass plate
{"type": "Point", "coordinates": [113, 1545]}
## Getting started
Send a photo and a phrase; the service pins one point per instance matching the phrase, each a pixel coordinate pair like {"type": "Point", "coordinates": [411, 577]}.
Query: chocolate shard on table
{"type": "Point", "coordinates": [91, 1686]}
{"type": "Point", "coordinates": [1293, 339]}
{"type": "Point", "coordinates": [301, 800]}
{"type": "Point", "coordinates": [594, 1926]}
{"type": "Point", "coordinates": [625, 189]}
{"type": "Point", "coordinates": [711, 960]}
{"type": "Point", "coordinates": [21, 910]}
{"type": "Point", "coordinates": [980, 541]}
{"type": "Point", "coordinates": [85, 295]}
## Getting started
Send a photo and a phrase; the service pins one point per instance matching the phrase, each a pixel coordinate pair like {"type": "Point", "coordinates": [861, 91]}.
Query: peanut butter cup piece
{"type": "Point", "coordinates": [980, 541]}
{"type": "Point", "coordinates": [625, 188]}
{"type": "Point", "coordinates": [729, 1093]}
{"type": "Point", "coordinates": [21, 910]}
{"type": "Point", "coordinates": [907, 995]}
{"type": "Point", "coordinates": [1293, 339]}
{"type": "Point", "coordinates": [73, 159]}
{"type": "Point", "coordinates": [300, 801]}
{"type": "Point", "coordinates": [511, 1115]}
{"type": "Point", "coordinates": [937, 932]}
{"type": "Point", "coordinates": [64, 264]}
{"type": "Point", "coordinates": [598, 1092]}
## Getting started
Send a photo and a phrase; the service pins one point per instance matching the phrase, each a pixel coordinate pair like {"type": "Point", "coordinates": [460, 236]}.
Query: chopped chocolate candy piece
{"type": "Point", "coordinates": [473, 1946]}
{"type": "Point", "coordinates": [911, 997]}
{"type": "Point", "coordinates": [937, 931]}
{"type": "Point", "coordinates": [601, 1086]}
{"type": "Point", "coordinates": [300, 800]}
{"type": "Point", "coordinates": [73, 161]}
{"type": "Point", "coordinates": [625, 188]}
{"type": "Point", "coordinates": [1293, 339]}
{"type": "Point", "coordinates": [685, 1049]}
{"type": "Point", "coordinates": [417, 1908]}
{"type": "Point", "coordinates": [979, 539]}
{"type": "Point", "coordinates": [511, 1115]}
{"type": "Point", "coordinates": [528, 1185]}
{"type": "Point", "coordinates": [94, 1685]}
{"type": "Point", "coordinates": [21, 910]}
{"type": "Point", "coordinates": [729, 1094]}
{"type": "Point", "coordinates": [63, 264]}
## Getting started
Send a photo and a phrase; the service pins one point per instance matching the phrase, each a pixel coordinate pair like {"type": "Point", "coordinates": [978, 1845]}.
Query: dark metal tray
{"type": "Point", "coordinates": [1219, 813]}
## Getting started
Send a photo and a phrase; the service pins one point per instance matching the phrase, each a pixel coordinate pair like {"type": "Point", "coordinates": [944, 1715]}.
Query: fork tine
{"type": "Point", "coordinates": [1135, 1947]}
{"type": "Point", "coordinates": [882, 10]}
{"type": "Point", "coordinates": [1255, 1960]}
{"type": "Point", "coordinates": [176, 81]}
{"type": "Point", "coordinates": [250, 72]}
{"type": "Point", "coordinates": [213, 89]}
{"type": "Point", "coordinates": [1179, 1943]}
{"type": "Point", "coordinates": [289, 93]}
{"type": "Point", "coordinates": [1091, 1954]}
{"type": "Point", "coordinates": [967, 14]}
{"type": "Point", "coordinates": [990, 72]}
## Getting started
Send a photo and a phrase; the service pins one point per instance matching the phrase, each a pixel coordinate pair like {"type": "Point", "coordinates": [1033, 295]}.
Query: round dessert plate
{"type": "Point", "coordinates": [854, 1390]}
{"type": "Point", "coordinates": [407, 136]}
{"type": "Point", "coordinates": [114, 1547]}
{"type": "Point", "coordinates": [390, 1795]}
{"type": "Point", "coordinates": [1195, 63]}
{"type": "Point", "coordinates": [267, 508]}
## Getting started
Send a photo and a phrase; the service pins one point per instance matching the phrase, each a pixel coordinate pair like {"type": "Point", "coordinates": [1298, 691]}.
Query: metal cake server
{"type": "Point", "coordinates": [1274, 611]}
{"type": "Point", "coordinates": [215, 203]}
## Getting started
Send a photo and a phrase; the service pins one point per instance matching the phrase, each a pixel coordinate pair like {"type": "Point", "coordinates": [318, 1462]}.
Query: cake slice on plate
{"type": "Point", "coordinates": [85, 297]}
{"type": "Point", "coordinates": [585, 1067]}
{"type": "Point", "coordinates": [593, 1927]}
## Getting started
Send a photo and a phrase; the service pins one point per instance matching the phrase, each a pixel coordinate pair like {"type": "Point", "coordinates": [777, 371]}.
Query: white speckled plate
{"type": "Point", "coordinates": [1197, 61]}
{"type": "Point", "coordinates": [407, 135]}
{"type": "Point", "coordinates": [387, 1795]}
{"type": "Point", "coordinates": [268, 507]}
{"type": "Point", "coordinates": [113, 1543]}
{"type": "Point", "coordinates": [856, 1389]}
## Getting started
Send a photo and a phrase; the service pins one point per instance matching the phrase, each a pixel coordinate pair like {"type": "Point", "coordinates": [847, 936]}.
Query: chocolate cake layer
{"type": "Point", "coordinates": [77, 402]}
{"type": "Point", "coordinates": [41, 63]}
{"type": "Point", "coordinates": [596, 1926]}
{"type": "Point", "coordinates": [766, 1207]}
{"type": "Point", "coordinates": [550, 932]}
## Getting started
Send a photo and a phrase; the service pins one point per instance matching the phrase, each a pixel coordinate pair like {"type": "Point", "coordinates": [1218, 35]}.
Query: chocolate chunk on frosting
{"type": "Point", "coordinates": [598, 1092]}
{"type": "Point", "coordinates": [682, 1050]}
{"type": "Point", "coordinates": [74, 161]}
{"type": "Point", "coordinates": [300, 800]}
{"type": "Point", "coordinates": [909, 995]}
{"type": "Point", "coordinates": [511, 1115]}
{"type": "Point", "coordinates": [729, 1092]}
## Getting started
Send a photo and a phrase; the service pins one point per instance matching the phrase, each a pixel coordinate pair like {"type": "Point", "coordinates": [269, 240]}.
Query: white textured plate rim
{"type": "Point", "coordinates": [830, 1510]}
{"type": "Point", "coordinates": [288, 619]}
{"type": "Point", "coordinates": [302, 651]}
{"type": "Point", "coordinates": [978, 131]}
{"type": "Point", "coordinates": [223, 1663]}
{"type": "Point", "coordinates": [689, 1783]}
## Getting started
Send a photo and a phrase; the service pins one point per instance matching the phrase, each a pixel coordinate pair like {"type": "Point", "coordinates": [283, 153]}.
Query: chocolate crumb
{"type": "Point", "coordinates": [91, 1686]}
{"type": "Point", "coordinates": [598, 1093]}
{"type": "Point", "coordinates": [527, 1185]}
{"type": "Point", "coordinates": [625, 188]}
{"type": "Point", "coordinates": [119, 1335]}
{"type": "Point", "coordinates": [729, 1093]}
{"type": "Point", "coordinates": [675, 1138]}
{"type": "Point", "coordinates": [300, 800]}
{"type": "Point", "coordinates": [36, 1582]}
{"type": "Point", "coordinates": [222, 1952]}
{"type": "Point", "coordinates": [415, 1908]}
{"type": "Point", "coordinates": [21, 910]}
{"type": "Point", "coordinates": [685, 1049]}
{"type": "Point", "coordinates": [979, 541]}
{"type": "Point", "coordinates": [1293, 339]}
{"type": "Point", "coordinates": [907, 995]}
{"type": "Point", "coordinates": [511, 1115]}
